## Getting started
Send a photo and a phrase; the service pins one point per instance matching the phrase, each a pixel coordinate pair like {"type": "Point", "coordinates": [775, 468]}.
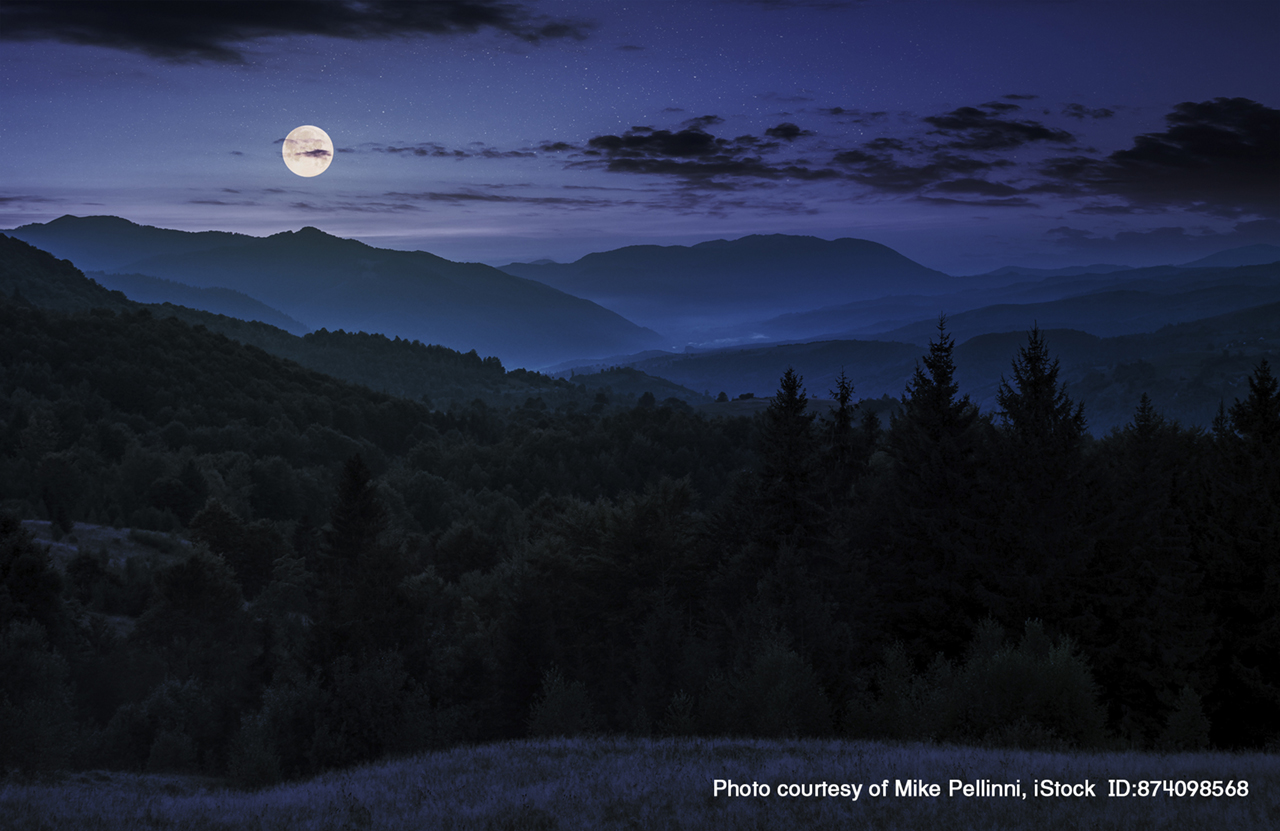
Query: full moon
{"type": "Point", "coordinates": [308, 151]}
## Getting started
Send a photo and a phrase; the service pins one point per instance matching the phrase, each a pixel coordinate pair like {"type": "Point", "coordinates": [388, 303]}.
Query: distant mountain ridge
{"type": "Point", "coordinates": [336, 283]}
{"type": "Point", "coordinates": [685, 289]}
{"type": "Point", "coordinates": [229, 302]}
{"type": "Point", "coordinates": [105, 243]}
{"type": "Point", "coordinates": [1259, 254]}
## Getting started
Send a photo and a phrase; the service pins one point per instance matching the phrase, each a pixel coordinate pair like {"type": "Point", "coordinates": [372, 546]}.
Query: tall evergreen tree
{"type": "Point", "coordinates": [1040, 542]}
{"type": "Point", "coordinates": [1237, 537]}
{"type": "Point", "coordinates": [1149, 631]}
{"type": "Point", "coordinates": [1256, 419]}
{"type": "Point", "coordinates": [788, 496]}
{"type": "Point", "coordinates": [359, 572]}
{"type": "Point", "coordinates": [924, 517]}
{"type": "Point", "coordinates": [1035, 409]}
{"type": "Point", "coordinates": [840, 438]}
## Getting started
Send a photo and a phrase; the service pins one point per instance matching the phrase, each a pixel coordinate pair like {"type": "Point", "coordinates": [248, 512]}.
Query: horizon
{"type": "Point", "coordinates": [974, 136]}
{"type": "Point", "coordinates": [498, 264]}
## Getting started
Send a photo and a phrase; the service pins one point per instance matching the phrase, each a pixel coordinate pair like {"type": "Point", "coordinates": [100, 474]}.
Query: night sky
{"type": "Point", "coordinates": [967, 135]}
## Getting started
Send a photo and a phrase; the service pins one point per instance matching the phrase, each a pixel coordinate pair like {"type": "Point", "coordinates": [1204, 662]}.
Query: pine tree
{"type": "Point", "coordinates": [1040, 538]}
{"type": "Point", "coordinates": [930, 405]}
{"type": "Point", "coordinates": [840, 438]}
{"type": "Point", "coordinates": [1257, 418]}
{"type": "Point", "coordinates": [1035, 410]}
{"type": "Point", "coordinates": [788, 482]}
{"type": "Point", "coordinates": [359, 574]}
{"type": "Point", "coordinates": [924, 522]}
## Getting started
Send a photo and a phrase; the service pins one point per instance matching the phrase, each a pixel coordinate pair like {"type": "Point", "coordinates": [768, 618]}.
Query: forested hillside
{"type": "Point", "coordinates": [372, 576]}
{"type": "Point", "coordinates": [409, 369]}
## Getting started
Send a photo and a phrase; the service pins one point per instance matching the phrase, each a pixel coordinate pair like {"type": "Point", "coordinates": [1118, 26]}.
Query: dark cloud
{"type": "Point", "coordinates": [972, 129]}
{"type": "Point", "coordinates": [702, 122]}
{"type": "Point", "coordinates": [19, 200]}
{"type": "Point", "coordinates": [557, 147]}
{"type": "Point", "coordinates": [432, 150]}
{"type": "Point", "coordinates": [1219, 157]}
{"type": "Point", "coordinates": [885, 143]}
{"type": "Point", "coordinates": [1013, 96]}
{"type": "Point", "coordinates": [223, 202]}
{"type": "Point", "coordinates": [821, 5]}
{"type": "Point", "coordinates": [318, 153]}
{"type": "Point", "coordinates": [1111, 210]}
{"type": "Point", "coordinates": [463, 197]}
{"type": "Point", "coordinates": [787, 131]}
{"type": "Point", "coordinates": [1000, 107]}
{"type": "Point", "coordinates": [217, 30]}
{"type": "Point", "coordinates": [237, 153]}
{"type": "Point", "coordinates": [1011, 202]}
{"type": "Point", "coordinates": [356, 206]}
{"type": "Point", "coordinates": [696, 156]}
{"type": "Point", "coordinates": [1082, 112]}
{"type": "Point", "coordinates": [853, 116]}
{"type": "Point", "coordinates": [630, 47]}
{"type": "Point", "coordinates": [882, 172]}
{"type": "Point", "coordinates": [979, 186]}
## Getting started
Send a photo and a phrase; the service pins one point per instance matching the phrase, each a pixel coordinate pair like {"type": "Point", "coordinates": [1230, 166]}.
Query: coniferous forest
{"type": "Point", "coordinates": [336, 575]}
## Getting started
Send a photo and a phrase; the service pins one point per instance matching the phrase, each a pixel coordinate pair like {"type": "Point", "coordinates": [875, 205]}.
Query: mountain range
{"type": "Point", "coordinates": [686, 291]}
{"type": "Point", "coordinates": [1187, 334]}
{"type": "Point", "coordinates": [328, 282]}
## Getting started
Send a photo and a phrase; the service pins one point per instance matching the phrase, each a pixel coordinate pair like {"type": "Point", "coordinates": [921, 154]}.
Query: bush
{"type": "Point", "coordinates": [36, 726]}
{"type": "Point", "coordinates": [1187, 728]}
{"type": "Point", "coordinates": [562, 709]}
{"type": "Point", "coordinates": [1044, 686]}
{"type": "Point", "coordinates": [1038, 694]}
{"type": "Point", "coordinates": [251, 762]}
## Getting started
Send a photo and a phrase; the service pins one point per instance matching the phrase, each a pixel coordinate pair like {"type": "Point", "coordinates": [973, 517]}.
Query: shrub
{"type": "Point", "coordinates": [1187, 728]}
{"type": "Point", "coordinates": [562, 709]}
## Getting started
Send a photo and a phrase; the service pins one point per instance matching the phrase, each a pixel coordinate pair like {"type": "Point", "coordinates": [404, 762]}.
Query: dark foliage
{"type": "Point", "coordinates": [334, 574]}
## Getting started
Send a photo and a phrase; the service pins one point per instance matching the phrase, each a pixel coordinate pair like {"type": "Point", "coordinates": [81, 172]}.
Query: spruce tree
{"type": "Point", "coordinates": [1040, 534]}
{"type": "Point", "coordinates": [788, 497]}
{"type": "Point", "coordinates": [1257, 418]}
{"type": "Point", "coordinates": [1036, 411]}
{"type": "Point", "coordinates": [924, 522]}
{"type": "Point", "coordinates": [840, 438]}
{"type": "Point", "coordinates": [359, 573]}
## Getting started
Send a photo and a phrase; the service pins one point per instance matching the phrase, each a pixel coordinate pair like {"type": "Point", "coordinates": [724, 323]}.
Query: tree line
{"type": "Point", "coordinates": [370, 576]}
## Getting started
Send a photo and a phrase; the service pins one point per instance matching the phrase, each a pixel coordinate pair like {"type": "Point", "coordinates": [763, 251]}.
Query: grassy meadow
{"type": "Point", "coordinates": [627, 783]}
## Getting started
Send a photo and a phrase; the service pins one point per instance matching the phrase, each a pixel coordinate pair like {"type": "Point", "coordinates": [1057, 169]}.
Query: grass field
{"type": "Point", "coordinates": [624, 783]}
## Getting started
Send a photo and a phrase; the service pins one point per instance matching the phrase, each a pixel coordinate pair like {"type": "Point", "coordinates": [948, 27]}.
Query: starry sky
{"type": "Point", "coordinates": [966, 134]}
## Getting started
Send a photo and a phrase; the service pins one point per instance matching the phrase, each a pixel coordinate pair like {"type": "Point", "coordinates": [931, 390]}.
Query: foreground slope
{"type": "Point", "coordinates": [670, 783]}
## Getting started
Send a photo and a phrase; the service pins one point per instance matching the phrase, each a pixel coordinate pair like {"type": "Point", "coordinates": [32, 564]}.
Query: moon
{"type": "Point", "coordinates": [308, 151]}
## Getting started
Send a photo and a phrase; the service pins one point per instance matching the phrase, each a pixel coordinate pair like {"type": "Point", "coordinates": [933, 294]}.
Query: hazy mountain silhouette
{"type": "Point", "coordinates": [1111, 303]}
{"type": "Point", "coordinates": [1247, 255]}
{"type": "Point", "coordinates": [1018, 271]}
{"type": "Point", "coordinates": [338, 283]}
{"type": "Point", "coordinates": [686, 290]}
{"type": "Point", "coordinates": [404, 368]}
{"type": "Point", "coordinates": [105, 243]}
{"type": "Point", "coordinates": [1186, 368]}
{"type": "Point", "coordinates": [43, 280]}
{"type": "Point", "coordinates": [227, 302]}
